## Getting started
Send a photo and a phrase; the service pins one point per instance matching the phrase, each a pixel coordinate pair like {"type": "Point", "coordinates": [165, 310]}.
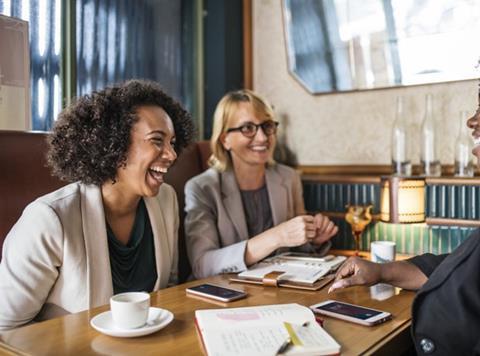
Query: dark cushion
{"type": "Point", "coordinates": [24, 175]}
{"type": "Point", "coordinates": [189, 163]}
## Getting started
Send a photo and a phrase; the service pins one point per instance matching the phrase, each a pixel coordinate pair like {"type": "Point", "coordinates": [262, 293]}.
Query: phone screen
{"type": "Point", "coordinates": [349, 310]}
{"type": "Point", "coordinates": [216, 291]}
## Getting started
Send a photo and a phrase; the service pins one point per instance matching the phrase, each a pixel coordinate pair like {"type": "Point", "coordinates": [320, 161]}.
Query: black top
{"type": "Point", "coordinates": [446, 310]}
{"type": "Point", "coordinates": [257, 210]}
{"type": "Point", "coordinates": [133, 265]}
{"type": "Point", "coordinates": [428, 262]}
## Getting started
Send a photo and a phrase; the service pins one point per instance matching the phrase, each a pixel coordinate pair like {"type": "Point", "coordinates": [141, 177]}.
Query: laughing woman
{"type": "Point", "coordinates": [247, 207]}
{"type": "Point", "coordinates": [113, 229]}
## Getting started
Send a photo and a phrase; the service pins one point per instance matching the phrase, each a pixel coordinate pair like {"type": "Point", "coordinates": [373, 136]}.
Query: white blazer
{"type": "Point", "coordinates": [56, 260]}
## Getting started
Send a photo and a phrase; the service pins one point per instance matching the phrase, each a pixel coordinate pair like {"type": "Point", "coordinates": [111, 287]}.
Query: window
{"type": "Point", "coordinates": [45, 51]}
{"type": "Point", "coordinates": [114, 40]}
{"type": "Point", "coordinates": [341, 45]}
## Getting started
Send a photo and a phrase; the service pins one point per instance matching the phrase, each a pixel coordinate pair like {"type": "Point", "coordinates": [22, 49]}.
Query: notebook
{"type": "Point", "coordinates": [263, 330]}
{"type": "Point", "coordinates": [293, 271]}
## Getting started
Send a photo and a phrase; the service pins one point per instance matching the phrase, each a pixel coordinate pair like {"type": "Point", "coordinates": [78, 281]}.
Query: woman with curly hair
{"type": "Point", "coordinates": [114, 229]}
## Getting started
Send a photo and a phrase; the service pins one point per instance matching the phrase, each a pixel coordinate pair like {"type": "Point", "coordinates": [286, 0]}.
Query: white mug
{"type": "Point", "coordinates": [130, 310]}
{"type": "Point", "coordinates": [382, 251]}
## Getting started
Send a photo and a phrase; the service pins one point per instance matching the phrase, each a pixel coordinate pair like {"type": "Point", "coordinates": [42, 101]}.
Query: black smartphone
{"type": "Point", "coordinates": [350, 312]}
{"type": "Point", "coordinates": [216, 292]}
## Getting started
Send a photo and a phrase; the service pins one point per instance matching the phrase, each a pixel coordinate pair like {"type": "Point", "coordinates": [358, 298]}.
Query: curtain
{"type": "Point", "coordinates": [124, 39]}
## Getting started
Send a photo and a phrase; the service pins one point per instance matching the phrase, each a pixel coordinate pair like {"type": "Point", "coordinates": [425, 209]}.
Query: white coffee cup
{"type": "Point", "coordinates": [382, 251]}
{"type": "Point", "coordinates": [130, 310]}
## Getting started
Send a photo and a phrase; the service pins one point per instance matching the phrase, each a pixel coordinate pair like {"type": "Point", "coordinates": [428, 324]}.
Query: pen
{"type": "Point", "coordinates": [286, 344]}
{"type": "Point", "coordinates": [283, 347]}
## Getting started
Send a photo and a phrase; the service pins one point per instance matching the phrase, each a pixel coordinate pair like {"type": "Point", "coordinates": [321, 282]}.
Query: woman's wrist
{"type": "Point", "coordinates": [391, 271]}
{"type": "Point", "coordinates": [260, 246]}
{"type": "Point", "coordinates": [384, 272]}
{"type": "Point", "coordinates": [275, 237]}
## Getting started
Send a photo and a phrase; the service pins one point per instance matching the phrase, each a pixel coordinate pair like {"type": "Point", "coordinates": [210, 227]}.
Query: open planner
{"type": "Point", "coordinates": [262, 330]}
{"type": "Point", "coordinates": [292, 270]}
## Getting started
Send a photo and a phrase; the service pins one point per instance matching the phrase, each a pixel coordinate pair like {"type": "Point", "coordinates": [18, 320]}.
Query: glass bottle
{"type": "Point", "coordinates": [429, 148]}
{"type": "Point", "coordinates": [401, 163]}
{"type": "Point", "coordinates": [464, 163]}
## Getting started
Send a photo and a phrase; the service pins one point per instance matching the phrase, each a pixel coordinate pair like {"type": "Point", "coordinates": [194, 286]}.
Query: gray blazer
{"type": "Point", "coordinates": [215, 225]}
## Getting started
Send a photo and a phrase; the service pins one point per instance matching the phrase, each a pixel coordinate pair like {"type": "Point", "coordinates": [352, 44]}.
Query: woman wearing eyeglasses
{"type": "Point", "coordinates": [246, 206]}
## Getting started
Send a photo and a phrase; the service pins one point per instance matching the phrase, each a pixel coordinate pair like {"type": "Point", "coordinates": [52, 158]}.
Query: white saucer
{"type": "Point", "coordinates": [157, 319]}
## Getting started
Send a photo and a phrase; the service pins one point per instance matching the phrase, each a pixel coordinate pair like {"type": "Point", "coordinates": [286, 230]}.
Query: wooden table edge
{"type": "Point", "coordinates": [396, 337]}
{"type": "Point", "coordinates": [6, 349]}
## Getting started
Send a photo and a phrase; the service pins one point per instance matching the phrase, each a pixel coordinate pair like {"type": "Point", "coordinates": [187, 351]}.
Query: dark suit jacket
{"type": "Point", "coordinates": [446, 310]}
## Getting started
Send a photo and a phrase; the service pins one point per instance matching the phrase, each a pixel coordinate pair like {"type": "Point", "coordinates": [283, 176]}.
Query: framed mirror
{"type": "Point", "coordinates": [344, 45]}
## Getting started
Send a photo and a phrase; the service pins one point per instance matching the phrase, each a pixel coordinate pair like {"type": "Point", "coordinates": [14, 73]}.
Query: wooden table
{"type": "Point", "coordinates": [73, 335]}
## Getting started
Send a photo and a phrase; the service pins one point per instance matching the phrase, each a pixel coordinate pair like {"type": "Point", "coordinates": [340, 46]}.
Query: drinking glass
{"type": "Point", "coordinates": [358, 216]}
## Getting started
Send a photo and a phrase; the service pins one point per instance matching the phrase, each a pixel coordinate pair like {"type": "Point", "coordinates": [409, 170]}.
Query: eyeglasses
{"type": "Point", "coordinates": [250, 129]}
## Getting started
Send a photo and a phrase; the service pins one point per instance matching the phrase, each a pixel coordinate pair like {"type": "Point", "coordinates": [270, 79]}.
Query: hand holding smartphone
{"type": "Point", "coordinates": [216, 292]}
{"type": "Point", "coordinates": [351, 312]}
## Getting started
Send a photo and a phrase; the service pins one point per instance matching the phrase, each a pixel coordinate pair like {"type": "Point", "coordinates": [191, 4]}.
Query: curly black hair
{"type": "Point", "coordinates": [91, 137]}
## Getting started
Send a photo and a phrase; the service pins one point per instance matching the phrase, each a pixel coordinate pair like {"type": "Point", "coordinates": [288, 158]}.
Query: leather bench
{"type": "Point", "coordinates": [25, 177]}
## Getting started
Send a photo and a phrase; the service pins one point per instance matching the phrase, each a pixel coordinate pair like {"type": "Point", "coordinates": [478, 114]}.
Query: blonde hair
{"type": "Point", "coordinates": [225, 110]}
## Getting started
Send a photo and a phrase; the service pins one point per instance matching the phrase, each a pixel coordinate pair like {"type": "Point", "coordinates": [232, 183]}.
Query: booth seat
{"type": "Point", "coordinates": [25, 177]}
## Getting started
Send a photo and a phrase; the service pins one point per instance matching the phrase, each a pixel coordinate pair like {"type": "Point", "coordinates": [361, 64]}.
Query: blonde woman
{"type": "Point", "coordinates": [246, 207]}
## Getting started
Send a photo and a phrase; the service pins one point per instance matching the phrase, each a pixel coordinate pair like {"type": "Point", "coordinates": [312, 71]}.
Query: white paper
{"type": "Point", "coordinates": [261, 330]}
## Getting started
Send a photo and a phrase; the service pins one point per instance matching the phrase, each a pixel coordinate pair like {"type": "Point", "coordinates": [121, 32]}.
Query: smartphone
{"type": "Point", "coordinates": [351, 312]}
{"type": "Point", "coordinates": [216, 292]}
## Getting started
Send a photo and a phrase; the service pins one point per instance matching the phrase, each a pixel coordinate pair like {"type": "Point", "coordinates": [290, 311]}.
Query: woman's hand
{"type": "Point", "coordinates": [291, 233]}
{"type": "Point", "coordinates": [296, 231]}
{"type": "Point", "coordinates": [325, 229]}
{"type": "Point", "coordinates": [357, 271]}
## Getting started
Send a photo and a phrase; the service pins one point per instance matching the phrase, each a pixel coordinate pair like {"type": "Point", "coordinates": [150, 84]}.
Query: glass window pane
{"type": "Point", "coordinates": [45, 48]}
{"type": "Point", "coordinates": [120, 40]}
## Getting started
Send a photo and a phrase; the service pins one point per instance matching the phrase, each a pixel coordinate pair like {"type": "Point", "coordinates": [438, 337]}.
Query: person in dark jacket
{"type": "Point", "coordinates": [446, 309]}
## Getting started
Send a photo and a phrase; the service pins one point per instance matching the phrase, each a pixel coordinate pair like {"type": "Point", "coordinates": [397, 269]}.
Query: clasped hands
{"type": "Point", "coordinates": [306, 228]}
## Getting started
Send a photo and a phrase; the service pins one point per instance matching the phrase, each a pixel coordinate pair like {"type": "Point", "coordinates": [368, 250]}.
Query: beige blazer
{"type": "Point", "coordinates": [56, 260]}
{"type": "Point", "coordinates": [215, 225]}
